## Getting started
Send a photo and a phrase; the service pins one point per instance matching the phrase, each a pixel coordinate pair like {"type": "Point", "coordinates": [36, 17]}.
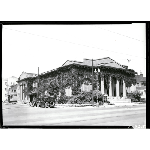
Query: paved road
{"type": "Point", "coordinates": [82, 116]}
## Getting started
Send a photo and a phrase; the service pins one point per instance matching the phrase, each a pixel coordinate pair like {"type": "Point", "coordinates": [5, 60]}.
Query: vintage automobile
{"type": "Point", "coordinates": [44, 102]}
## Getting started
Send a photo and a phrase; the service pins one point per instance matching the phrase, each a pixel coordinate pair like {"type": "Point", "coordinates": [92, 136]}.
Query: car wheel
{"type": "Point", "coordinates": [43, 105]}
{"type": "Point", "coordinates": [46, 104]}
{"type": "Point", "coordinates": [30, 104]}
{"type": "Point", "coordinates": [34, 104]}
{"type": "Point", "coordinates": [52, 104]}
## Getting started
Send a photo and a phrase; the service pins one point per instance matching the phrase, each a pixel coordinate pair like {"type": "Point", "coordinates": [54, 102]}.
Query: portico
{"type": "Point", "coordinates": [117, 88]}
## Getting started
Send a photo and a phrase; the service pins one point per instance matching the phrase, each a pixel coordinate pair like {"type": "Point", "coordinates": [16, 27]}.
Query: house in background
{"type": "Point", "coordinates": [22, 84]}
{"type": "Point", "coordinates": [6, 86]}
{"type": "Point", "coordinates": [4, 89]}
{"type": "Point", "coordinates": [13, 92]}
{"type": "Point", "coordinates": [140, 85]}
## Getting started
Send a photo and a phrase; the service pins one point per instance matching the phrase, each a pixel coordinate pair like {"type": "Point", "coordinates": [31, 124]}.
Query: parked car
{"type": "Point", "coordinates": [45, 102]}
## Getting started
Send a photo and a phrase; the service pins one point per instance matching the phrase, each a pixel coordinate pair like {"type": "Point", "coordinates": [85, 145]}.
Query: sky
{"type": "Point", "coordinates": [27, 47]}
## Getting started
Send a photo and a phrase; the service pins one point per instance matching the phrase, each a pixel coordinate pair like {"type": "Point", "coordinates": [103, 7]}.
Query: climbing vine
{"type": "Point", "coordinates": [75, 77]}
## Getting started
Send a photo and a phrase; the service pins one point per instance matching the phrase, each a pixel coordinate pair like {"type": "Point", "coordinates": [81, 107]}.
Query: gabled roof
{"type": "Point", "coordinates": [98, 62]}
{"type": "Point", "coordinates": [14, 87]}
{"type": "Point", "coordinates": [26, 75]}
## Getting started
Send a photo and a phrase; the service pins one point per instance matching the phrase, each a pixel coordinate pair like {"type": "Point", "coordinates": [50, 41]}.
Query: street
{"type": "Point", "coordinates": [21, 114]}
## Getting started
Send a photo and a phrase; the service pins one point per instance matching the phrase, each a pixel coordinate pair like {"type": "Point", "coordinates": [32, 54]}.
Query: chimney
{"type": "Point", "coordinates": [141, 74]}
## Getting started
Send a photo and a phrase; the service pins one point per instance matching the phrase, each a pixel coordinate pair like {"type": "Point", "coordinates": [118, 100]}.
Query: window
{"type": "Point", "coordinates": [144, 83]}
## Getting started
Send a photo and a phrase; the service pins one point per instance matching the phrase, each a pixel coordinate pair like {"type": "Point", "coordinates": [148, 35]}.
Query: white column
{"type": "Point", "coordinates": [112, 83]}
{"type": "Point", "coordinates": [20, 92]}
{"type": "Point", "coordinates": [83, 87]}
{"type": "Point", "coordinates": [70, 91]}
{"type": "Point", "coordinates": [88, 87]}
{"type": "Point", "coordinates": [102, 85]}
{"type": "Point", "coordinates": [66, 91]}
{"type": "Point", "coordinates": [110, 88]}
{"type": "Point", "coordinates": [117, 88]}
{"type": "Point", "coordinates": [124, 89]}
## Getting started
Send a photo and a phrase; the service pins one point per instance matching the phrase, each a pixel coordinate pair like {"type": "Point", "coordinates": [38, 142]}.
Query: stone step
{"type": "Point", "coordinates": [120, 100]}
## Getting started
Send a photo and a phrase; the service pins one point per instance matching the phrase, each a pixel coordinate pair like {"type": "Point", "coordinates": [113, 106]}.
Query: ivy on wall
{"type": "Point", "coordinates": [74, 77]}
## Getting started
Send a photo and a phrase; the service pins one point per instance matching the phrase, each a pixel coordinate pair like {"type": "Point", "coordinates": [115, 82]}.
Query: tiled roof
{"type": "Point", "coordinates": [32, 73]}
{"type": "Point", "coordinates": [98, 62]}
{"type": "Point", "coordinates": [68, 62]}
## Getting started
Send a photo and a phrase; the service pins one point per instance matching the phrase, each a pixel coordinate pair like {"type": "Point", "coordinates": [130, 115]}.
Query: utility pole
{"type": "Point", "coordinates": [92, 84]}
{"type": "Point", "coordinates": [93, 79]}
{"type": "Point", "coordinates": [38, 84]}
{"type": "Point", "coordinates": [8, 90]}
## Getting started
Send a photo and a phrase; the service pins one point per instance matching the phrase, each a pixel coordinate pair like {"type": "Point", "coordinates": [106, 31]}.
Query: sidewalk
{"type": "Point", "coordinates": [78, 105]}
{"type": "Point", "coordinates": [90, 105]}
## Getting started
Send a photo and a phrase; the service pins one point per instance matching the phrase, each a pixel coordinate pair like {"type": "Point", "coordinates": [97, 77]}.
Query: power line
{"type": "Point", "coordinates": [119, 34]}
{"type": "Point", "coordinates": [74, 43]}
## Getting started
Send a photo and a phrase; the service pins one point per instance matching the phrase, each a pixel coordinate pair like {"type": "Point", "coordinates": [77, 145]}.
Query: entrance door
{"type": "Point", "coordinates": [114, 91]}
{"type": "Point", "coordinates": [31, 98]}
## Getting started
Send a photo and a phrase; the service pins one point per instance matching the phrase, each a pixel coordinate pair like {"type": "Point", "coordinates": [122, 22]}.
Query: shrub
{"type": "Point", "coordinates": [62, 92]}
{"type": "Point", "coordinates": [62, 99]}
{"type": "Point", "coordinates": [137, 95]}
{"type": "Point", "coordinates": [81, 98]}
{"type": "Point", "coordinates": [97, 94]}
{"type": "Point", "coordinates": [85, 97]}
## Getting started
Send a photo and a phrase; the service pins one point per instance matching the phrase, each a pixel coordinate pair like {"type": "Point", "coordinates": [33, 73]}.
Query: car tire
{"type": "Point", "coordinates": [52, 104]}
{"type": "Point", "coordinates": [30, 104]}
{"type": "Point", "coordinates": [46, 105]}
{"type": "Point", "coordinates": [43, 105]}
